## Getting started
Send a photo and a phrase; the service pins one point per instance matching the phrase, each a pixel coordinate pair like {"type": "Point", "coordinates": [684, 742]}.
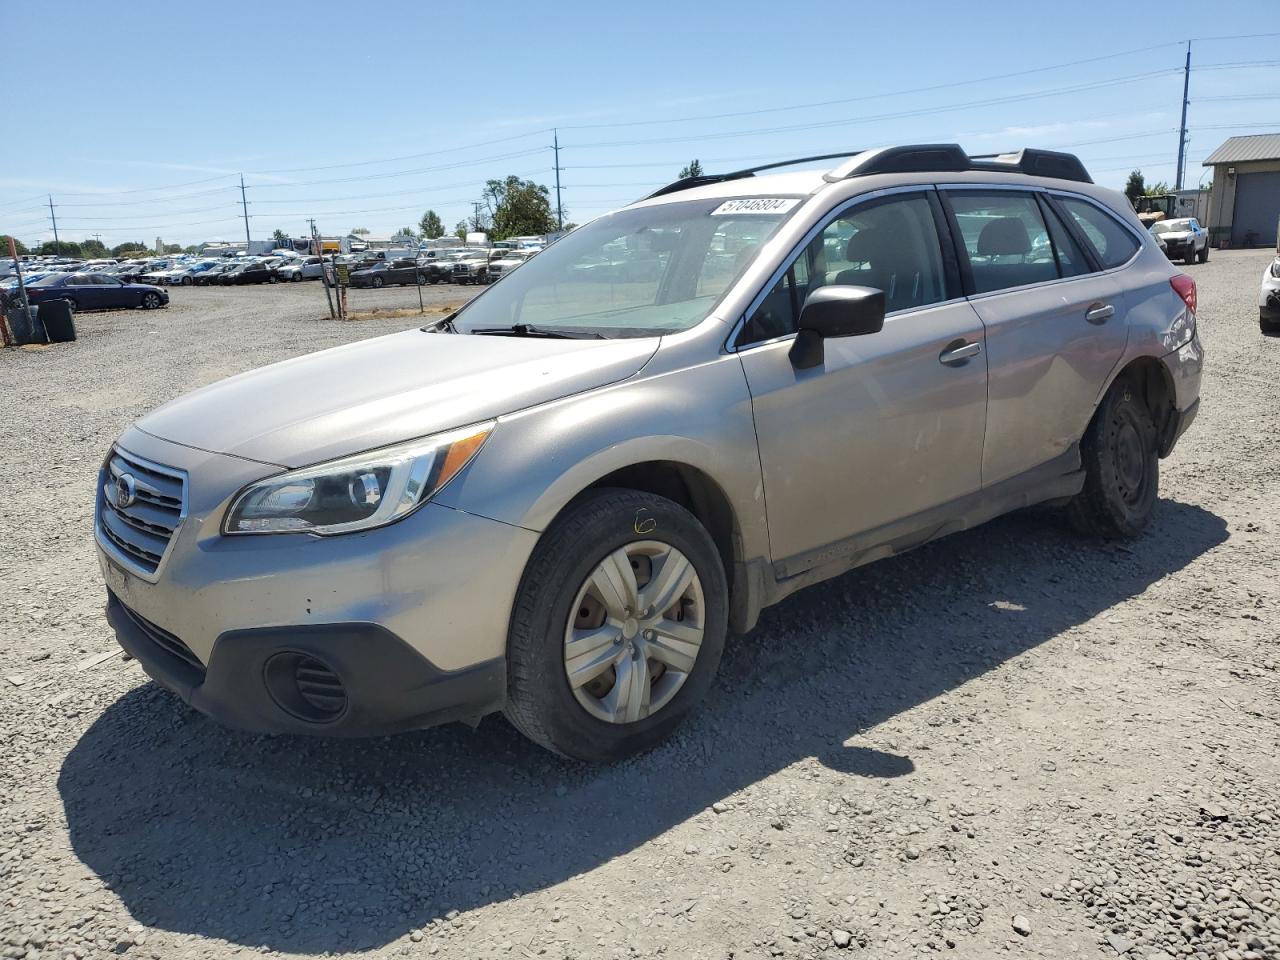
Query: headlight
{"type": "Point", "coordinates": [1275, 267]}
{"type": "Point", "coordinates": [355, 493]}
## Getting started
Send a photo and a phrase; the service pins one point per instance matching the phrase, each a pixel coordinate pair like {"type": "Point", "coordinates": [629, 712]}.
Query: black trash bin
{"type": "Point", "coordinates": [57, 319]}
{"type": "Point", "coordinates": [25, 326]}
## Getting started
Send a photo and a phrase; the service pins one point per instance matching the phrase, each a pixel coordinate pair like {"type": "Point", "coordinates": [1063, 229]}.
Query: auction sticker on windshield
{"type": "Point", "coordinates": [756, 205]}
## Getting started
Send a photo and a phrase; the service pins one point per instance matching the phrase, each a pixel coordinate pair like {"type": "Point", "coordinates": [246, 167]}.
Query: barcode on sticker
{"type": "Point", "coordinates": [756, 205]}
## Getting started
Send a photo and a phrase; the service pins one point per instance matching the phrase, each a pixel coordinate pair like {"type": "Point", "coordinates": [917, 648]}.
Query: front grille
{"type": "Point", "coordinates": [164, 639]}
{"type": "Point", "coordinates": [140, 526]}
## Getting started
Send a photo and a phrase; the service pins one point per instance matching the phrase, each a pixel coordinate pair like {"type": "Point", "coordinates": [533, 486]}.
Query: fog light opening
{"type": "Point", "coordinates": [305, 688]}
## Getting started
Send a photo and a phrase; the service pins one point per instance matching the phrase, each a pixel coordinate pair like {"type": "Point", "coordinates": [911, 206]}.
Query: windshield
{"type": "Point", "coordinates": [1171, 226]}
{"type": "Point", "coordinates": [639, 272]}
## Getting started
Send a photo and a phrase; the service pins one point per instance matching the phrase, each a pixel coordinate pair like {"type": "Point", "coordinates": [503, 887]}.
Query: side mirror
{"type": "Point", "coordinates": [835, 311]}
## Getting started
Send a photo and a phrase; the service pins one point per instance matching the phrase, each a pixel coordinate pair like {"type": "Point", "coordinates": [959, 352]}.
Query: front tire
{"type": "Point", "coordinates": [376, 282]}
{"type": "Point", "coordinates": [150, 301]}
{"type": "Point", "coordinates": [1122, 468]}
{"type": "Point", "coordinates": [187, 281]}
{"type": "Point", "coordinates": [618, 626]}
{"type": "Point", "coordinates": [1204, 254]}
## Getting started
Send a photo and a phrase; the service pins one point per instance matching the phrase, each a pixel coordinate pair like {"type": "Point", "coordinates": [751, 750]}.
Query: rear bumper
{"type": "Point", "coordinates": [248, 684]}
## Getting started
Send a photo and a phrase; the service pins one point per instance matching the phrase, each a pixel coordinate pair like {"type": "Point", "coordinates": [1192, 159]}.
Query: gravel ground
{"type": "Point", "coordinates": [1012, 742]}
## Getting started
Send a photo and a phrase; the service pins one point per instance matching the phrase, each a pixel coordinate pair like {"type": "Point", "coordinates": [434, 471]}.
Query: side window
{"type": "Point", "coordinates": [1113, 244]}
{"type": "Point", "coordinates": [891, 245]}
{"type": "Point", "coordinates": [1005, 238]}
{"type": "Point", "coordinates": [1071, 259]}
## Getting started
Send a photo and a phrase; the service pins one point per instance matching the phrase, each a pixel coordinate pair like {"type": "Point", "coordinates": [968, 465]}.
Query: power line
{"type": "Point", "coordinates": [873, 96]}
{"type": "Point", "coordinates": [923, 111]}
{"type": "Point", "coordinates": [407, 156]}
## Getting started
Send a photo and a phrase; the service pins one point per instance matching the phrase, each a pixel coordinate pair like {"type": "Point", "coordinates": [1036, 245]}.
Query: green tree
{"type": "Point", "coordinates": [694, 169]}
{"type": "Point", "coordinates": [519, 208]}
{"type": "Point", "coordinates": [130, 249]}
{"type": "Point", "coordinates": [279, 236]}
{"type": "Point", "coordinates": [406, 232]}
{"type": "Point", "coordinates": [1135, 186]}
{"type": "Point", "coordinates": [59, 248]}
{"type": "Point", "coordinates": [359, 231]}
{"type": "Point", "coordinates": [18, 245]}
{"type": "Point", "coordinates": [1157, 189]}
{"type": "Point", "coordinates": [460, 231]}
{"type": "Point", "coordinates": [172, 248]}
{"type": "Point", "coordinates": [431, 226]}
{"type": "Point", "coordinates": [93, 249]}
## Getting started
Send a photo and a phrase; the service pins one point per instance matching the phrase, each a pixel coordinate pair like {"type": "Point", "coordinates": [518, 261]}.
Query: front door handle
{"type": "Point", "coordinates": [959, 353]}
{"type": "Point", "coordinates": [1100, 313]}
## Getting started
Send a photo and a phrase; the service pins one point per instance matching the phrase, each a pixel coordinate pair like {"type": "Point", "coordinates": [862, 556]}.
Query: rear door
{"type": "Point", "coordinates": [1055, 323]}
{"type": "Point", "coordinates": [890, 424]}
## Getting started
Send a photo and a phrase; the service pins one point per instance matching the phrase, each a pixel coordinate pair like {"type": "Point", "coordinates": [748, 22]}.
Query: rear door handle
{"type": "Point", "coordinates": [959, 353]}
{"type": "Point", "coordinates": [1100, 313]}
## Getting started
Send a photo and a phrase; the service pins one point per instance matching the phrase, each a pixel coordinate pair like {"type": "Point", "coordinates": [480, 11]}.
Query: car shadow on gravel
{"type": "Point", "coordinates": [308, 845]}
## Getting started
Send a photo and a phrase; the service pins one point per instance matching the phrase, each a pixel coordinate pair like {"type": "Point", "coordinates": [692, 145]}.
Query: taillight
{"type": "Point", "coordinates": [1185, 287]}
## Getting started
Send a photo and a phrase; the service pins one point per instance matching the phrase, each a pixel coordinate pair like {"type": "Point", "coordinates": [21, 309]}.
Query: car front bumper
{"type": "Point", "coordinates": [411, 618]}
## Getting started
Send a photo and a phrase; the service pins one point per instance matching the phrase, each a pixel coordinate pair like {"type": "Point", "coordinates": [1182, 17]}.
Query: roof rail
{"type": "Point", "coordinates": [1036, 163]}
{"type": "Point", "coordinates": [688, 183]}
{"type": "Point", "coordinates": [913, 158]}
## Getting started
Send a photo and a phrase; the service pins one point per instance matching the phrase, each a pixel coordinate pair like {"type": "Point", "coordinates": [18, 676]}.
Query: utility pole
{"type": "Point", "coordinates": [1182, 131]}
{"type": "Point", "coordinates": [555, 145]}
{"type": "Point", "coordinates": [54, 217]}
{"type": "Point", "coordinates": [475, 220]}
{"type": "Point", "coordinates": [324, 278]}
{"type": "Point", "coordinates": [245, 206]}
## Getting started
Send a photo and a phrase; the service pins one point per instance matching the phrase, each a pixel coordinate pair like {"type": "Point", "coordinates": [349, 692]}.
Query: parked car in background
{"type": "Point", "coordinates": [470, 266]}
{"type": "Point", "coordinates": [1269, 297]}
{"type": "Point", "coordinates": [1182, 239]}
{"type": "Point", "coordinates": [301, 268]}
{"type": "Point", "coordinates": [95, 291]}
{"type": "Point", "coordinates": [248, 273]}
{"type": "Point", "coordinates": [384, 273]}
{"type": "Point", "coordinates": [508, 261]}
{"type": "Point", "coordinates": [212, 275]}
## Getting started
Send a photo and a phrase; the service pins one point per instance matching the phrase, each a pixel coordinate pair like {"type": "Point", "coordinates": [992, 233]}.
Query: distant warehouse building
{"type": "Point", "coordinates": [1244, 203]}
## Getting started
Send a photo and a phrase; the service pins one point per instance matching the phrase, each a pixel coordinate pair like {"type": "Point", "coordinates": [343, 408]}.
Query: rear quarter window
{"type": "Point", "coordinates": [1110, 240]}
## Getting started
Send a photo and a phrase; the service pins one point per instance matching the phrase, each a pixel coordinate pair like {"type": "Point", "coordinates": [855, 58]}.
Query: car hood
{"type": "Point", "coordinates": [386, 390]}
{"type": "Point", "coordinates": [1173, 235]}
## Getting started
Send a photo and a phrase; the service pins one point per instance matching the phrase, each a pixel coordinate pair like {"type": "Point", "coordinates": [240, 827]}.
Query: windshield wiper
{"type": "Point", "coordinates": [527, 330]}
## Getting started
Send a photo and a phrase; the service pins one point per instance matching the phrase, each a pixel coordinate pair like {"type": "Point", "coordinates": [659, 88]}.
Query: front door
{"type": "Point", "coordinates": [890, 424]}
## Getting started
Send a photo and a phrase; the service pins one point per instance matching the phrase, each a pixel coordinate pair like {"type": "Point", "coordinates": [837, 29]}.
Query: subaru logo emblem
{"type": "Point", "coordinates": [125, 492]}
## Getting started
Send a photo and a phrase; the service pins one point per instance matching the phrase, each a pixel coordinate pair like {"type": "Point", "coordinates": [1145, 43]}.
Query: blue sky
{"type": "Point", "coordinates": [140, 123]}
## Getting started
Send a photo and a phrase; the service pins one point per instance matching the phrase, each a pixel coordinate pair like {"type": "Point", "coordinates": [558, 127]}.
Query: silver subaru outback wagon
{"type": "Point", "coordinates": [558, 501]}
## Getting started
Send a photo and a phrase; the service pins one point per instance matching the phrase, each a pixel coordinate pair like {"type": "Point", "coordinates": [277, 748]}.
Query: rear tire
{"type": "Point", "coordinates": [556, 592]}
{"type": "Point", "coordinates": [1122, 468]}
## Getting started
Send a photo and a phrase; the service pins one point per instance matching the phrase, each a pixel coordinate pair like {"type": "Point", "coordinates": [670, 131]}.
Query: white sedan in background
{"type": "Point", "coordinates": [1269, 297]}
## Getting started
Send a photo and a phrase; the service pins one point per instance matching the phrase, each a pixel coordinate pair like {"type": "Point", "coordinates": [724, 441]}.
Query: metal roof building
{"type": "Point", "coordinates": [1244, 203]}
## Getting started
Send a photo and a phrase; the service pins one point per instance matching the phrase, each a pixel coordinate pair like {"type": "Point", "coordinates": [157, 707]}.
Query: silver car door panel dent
{"type": "Point", "coordinates": [879, 431]}
{"type": "Point", "coordinates": [1046, 362]}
